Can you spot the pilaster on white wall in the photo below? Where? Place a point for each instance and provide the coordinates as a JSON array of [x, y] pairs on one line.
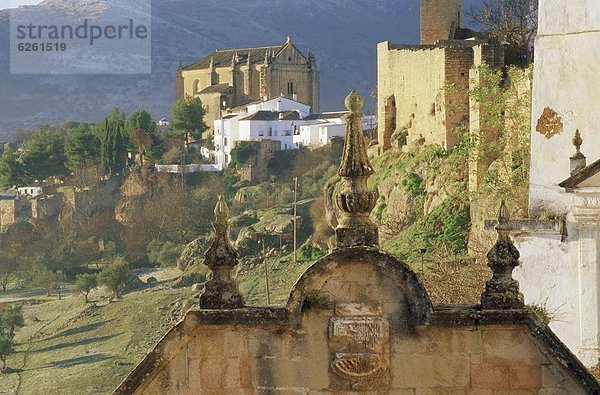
[[587, 219]]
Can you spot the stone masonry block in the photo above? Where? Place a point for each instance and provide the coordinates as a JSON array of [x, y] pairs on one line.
[[429, 370], [489, 376], [526, 377], [509, 346], [207, 344]]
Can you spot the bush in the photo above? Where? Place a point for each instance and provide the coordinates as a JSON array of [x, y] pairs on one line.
[[164, 254], [414, 185], [11, 318], [242, 153], [114, 276], [6, 348], [85, 283]]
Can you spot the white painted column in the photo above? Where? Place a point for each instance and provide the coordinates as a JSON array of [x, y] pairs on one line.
[[589, 284]]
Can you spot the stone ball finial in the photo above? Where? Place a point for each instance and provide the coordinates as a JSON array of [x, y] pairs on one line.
[[354, 103]]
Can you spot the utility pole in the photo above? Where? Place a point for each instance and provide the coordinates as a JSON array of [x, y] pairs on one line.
[[295, 214], [182, 168], [266, 273], [422, 251]]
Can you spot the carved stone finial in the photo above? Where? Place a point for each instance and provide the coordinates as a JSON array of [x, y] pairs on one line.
[[577, 141], [248, 61], [578, 160], [221, 290], [354, 199], [502, 290], [503, 216], [267, 56]]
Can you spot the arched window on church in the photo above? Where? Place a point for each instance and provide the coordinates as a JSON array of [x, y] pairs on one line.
[[291, 88], [196, 86]]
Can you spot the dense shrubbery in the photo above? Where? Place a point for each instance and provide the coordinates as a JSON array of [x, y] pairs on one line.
[[242, 153]]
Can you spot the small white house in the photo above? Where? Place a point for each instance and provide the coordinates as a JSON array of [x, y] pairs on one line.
[[163, 122], [281, 119], [29, 192]]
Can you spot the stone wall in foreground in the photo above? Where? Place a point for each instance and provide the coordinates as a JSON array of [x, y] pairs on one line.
[[355, 327]]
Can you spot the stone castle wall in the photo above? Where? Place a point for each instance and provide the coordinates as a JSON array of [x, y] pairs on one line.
[[458, 61], [415, 78], [430, 86], [13, 210]]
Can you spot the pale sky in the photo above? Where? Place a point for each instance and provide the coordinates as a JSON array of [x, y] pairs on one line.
[[15, 3]]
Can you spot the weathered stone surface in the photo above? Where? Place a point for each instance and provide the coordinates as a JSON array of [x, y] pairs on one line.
[[502, 290], [335, 318], [221, 291], [354, 200]]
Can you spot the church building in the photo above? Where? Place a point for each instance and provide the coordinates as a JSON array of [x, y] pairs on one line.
[[234, 77]]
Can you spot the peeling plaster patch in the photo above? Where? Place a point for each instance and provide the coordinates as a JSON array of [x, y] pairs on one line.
[[549, 123]]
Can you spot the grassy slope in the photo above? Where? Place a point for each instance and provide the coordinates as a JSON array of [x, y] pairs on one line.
[[90, 350], [283, 274], [68, 347]]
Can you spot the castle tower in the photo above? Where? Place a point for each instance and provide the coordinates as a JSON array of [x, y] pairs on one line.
[[440, 19]]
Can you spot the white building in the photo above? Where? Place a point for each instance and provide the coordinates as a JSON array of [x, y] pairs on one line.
[[560, 258], [281, 119], [29, 192]]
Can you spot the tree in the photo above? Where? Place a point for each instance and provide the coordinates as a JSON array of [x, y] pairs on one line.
[[113, 143], [85, 283], [114, 276], [243, 152], [142, 141], [6, 348], [44, 156], [11, 318], [188, 117], [140, 119], [510, 21], [12, 171], [49, 280], [7, 269], [82, 146]]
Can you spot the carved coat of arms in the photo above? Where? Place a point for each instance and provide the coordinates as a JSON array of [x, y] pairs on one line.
[[359, 345]]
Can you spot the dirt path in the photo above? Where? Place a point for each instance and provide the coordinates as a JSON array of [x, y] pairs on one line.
[[28, 294]]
